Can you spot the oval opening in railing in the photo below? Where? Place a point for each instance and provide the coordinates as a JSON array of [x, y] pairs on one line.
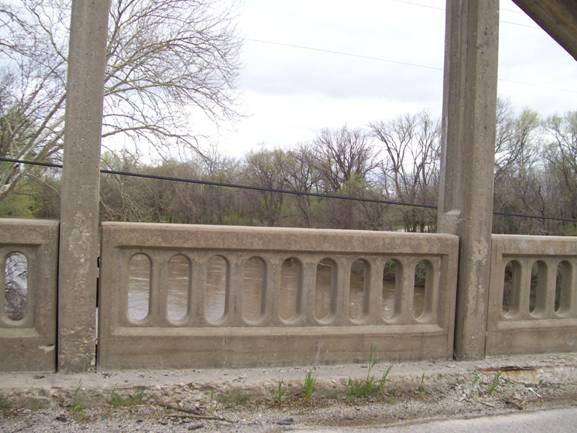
[[511, 288], [326, 290], [217, 286], [538, 290], [563, 288], [359, 290], [254, 286], [291, 290], [16, 286], [139, 277], [422, 289], [391, 294], [178, 288]]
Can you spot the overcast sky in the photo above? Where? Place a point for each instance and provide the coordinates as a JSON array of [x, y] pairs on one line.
[[288, 93]]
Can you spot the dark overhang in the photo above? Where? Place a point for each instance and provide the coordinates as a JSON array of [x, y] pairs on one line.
[[556, 17]]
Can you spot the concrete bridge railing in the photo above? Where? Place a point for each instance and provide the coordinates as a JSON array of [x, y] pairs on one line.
[[205, 296], [28, 278], [176, 296], [533, 295]]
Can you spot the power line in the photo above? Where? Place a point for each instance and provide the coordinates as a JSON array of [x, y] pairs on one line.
[[391, 61], [232, 185], [277, 190], [343, 53]]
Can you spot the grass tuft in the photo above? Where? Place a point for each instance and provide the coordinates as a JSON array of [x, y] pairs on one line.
[[234, 397], [494, 384], [369, 386], [5, 404], [117, 400], [279, 393], [77, 406], [421, 387], [309, 385]]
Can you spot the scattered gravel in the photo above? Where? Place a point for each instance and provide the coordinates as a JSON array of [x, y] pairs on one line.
[[248, 400]]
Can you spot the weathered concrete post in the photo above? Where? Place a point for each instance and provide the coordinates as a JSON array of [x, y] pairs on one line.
[[80, 186], [468, 142]]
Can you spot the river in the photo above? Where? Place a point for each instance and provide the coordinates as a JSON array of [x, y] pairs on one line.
[[254, 286]]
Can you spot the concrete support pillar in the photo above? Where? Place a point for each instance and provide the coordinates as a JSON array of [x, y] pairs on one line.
[[79, 245], [468, 143]]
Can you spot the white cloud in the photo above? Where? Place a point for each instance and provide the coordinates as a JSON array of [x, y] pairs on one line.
[[289, 94]]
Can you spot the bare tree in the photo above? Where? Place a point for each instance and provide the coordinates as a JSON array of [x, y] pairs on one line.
[[514, 144], [301, 176], [410, 171], [345, 160], [267, 169], [166, 58], [342, 156], [519, 176], [561, 155]]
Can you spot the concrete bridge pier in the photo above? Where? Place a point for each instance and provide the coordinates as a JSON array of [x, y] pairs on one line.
[[80, 197], [468, 146]]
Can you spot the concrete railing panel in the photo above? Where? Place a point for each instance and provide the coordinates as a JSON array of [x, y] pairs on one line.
[[533, 295], [29, 262], [175, 296]]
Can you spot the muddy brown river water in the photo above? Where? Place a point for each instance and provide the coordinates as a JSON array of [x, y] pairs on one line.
[[254, 287]]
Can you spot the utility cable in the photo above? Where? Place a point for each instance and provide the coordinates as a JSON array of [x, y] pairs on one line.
[[232, 185], [277, 190], [391, 61]]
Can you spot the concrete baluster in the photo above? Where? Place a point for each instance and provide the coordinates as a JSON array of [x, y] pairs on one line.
[[309, 291], [235, 291], [340, 300], [197, 287], [548, 310], [407, 291], [524, 289], [375, 286], [158, 289], [573, 290], [273, 289]]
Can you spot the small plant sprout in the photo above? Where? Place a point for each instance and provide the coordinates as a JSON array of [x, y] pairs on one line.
[[309, 385], [233, 398], [76, 407], [495, 382], [117, 400], [372, 361], [476, 379], [279, 393], [4, 403], [421, 387], [385, 376], [370, 386]]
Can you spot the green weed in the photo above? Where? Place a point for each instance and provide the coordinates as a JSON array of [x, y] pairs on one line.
[[117, 400], [279, 393], [5, 404], [495, 382], [476, 380], [77, 405], [369, 386], [234, 397], [421, 387], [309, 385], [366, 388]]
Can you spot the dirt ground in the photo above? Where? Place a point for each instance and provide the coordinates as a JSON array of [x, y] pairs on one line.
[[277, 399]]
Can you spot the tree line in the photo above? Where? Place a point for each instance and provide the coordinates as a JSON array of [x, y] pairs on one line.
[[399, 160]]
